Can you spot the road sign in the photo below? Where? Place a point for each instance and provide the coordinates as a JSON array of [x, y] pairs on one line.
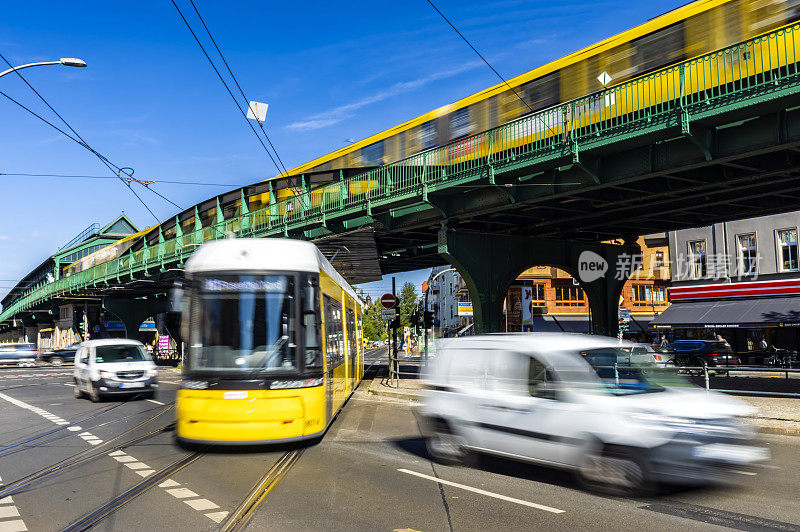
[[388, 314], [388, 301]]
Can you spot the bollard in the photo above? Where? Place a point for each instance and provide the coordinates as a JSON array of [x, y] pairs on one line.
[[705, 372], [616, 374]]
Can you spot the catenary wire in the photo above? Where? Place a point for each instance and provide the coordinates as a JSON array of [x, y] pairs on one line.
[[111, 166], [528, 105], [235, 101], [247, 101], [81, 176]]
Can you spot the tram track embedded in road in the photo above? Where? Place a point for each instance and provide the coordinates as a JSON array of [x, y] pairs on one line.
[[258, 493], [92, 518], [85, 456]]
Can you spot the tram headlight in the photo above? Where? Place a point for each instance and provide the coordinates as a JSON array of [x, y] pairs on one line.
[[302, 383]]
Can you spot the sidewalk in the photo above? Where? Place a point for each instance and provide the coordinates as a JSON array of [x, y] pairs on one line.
[[776, 415]]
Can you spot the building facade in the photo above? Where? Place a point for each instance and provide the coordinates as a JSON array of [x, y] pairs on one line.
[[739, 279]]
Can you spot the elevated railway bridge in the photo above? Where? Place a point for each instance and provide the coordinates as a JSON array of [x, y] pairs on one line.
[[706, 140]]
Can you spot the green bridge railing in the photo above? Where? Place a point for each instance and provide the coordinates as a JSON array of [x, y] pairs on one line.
[[756, 70]]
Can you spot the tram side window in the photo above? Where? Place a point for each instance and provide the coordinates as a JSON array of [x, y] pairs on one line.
[[541, 92], [658, 49], [311, 322], [351, 332], [333, 331]]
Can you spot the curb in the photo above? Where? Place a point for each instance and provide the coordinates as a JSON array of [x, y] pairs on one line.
[[394, 395], [783, 431]]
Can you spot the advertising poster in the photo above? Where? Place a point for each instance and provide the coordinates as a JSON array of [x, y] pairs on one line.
[[527, 309], [514, 309]]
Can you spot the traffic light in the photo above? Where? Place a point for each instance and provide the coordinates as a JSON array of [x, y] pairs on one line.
[[428, 319], [415, 318]]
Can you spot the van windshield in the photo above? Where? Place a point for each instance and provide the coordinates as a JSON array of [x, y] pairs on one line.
[[623, 376], [119, 353]]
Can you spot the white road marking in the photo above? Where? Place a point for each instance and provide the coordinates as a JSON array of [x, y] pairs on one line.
[[74, 428], [82, 434], [98, 441], [748, 473], [217, 517], [182, 493], [18, 525], [117, 453], [169, 483], [6, 500], [484, 492], [145, 472], [201, 504], [137, 465], [125, 458], [11, 511], [154, 401], [69, 384]]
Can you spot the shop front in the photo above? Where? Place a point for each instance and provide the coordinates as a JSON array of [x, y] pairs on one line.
[[744, 314]]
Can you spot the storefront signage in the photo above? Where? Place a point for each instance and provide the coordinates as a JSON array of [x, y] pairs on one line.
[[721, 326], [465, 308]]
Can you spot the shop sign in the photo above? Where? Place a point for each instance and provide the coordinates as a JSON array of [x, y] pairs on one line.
[[721, 326]]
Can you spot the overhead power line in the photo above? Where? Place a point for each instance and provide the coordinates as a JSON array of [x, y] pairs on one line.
[[528, 105], [115, 169], [246, 100], [235, 101], [81, 176]]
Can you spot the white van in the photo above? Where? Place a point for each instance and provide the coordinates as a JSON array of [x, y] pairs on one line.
[[113, 367], [566, 400]]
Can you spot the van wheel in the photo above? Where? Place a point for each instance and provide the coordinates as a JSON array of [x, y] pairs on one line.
[[447, 447], [614, 471], [94, 395]]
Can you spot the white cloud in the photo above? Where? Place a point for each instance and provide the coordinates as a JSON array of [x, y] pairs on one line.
[[5, 237], [343, 112]]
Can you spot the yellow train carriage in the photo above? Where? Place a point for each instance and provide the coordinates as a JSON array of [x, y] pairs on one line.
[[684, 33], [274, 343]]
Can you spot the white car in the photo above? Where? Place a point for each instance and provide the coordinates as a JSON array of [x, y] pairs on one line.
[[113, 367], [538, 398]]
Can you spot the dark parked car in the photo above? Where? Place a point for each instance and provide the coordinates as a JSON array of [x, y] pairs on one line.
[[19, 354], [709, 353], [60, 356]]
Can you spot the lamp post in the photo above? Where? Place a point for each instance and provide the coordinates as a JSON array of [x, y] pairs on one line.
[[66, 61]]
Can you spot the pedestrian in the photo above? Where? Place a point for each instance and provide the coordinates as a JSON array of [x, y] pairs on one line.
[[723, 340], [663, 342], [763, 345]]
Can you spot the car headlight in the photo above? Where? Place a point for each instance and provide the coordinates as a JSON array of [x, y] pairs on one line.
[[151, 372], [107, 374]]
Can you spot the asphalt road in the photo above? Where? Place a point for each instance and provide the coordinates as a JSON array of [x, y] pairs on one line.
[[370, 472]]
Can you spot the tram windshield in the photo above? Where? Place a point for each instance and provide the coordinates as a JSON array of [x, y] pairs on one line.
[[243, 322]]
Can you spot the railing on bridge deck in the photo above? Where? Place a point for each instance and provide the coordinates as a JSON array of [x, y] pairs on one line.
[[758, 69]]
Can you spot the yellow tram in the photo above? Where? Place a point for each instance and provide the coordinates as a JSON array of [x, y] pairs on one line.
[[274, 342]]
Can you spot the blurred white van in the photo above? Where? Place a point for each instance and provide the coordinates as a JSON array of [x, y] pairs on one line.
[[578, 402]]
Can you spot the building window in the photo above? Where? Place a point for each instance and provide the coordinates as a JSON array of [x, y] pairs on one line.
[[787, 250], [697, 259], [659, 263], [538, 295], [645, 295], [569, 296], [748, 264], [64, 313]]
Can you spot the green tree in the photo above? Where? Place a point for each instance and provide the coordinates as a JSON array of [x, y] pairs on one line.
[[408, 302], [374, 326]]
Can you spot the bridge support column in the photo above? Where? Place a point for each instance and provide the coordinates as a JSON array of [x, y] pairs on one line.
[[489, 264], [132, 312]]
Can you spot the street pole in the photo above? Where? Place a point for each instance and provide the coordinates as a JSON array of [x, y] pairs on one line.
[[393, 356], [425, 325]]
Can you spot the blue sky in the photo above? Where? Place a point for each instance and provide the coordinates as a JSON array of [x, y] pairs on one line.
[[331, 72]]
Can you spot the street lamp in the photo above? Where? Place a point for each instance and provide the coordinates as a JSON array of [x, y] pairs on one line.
[[427, 289], [66, 61]]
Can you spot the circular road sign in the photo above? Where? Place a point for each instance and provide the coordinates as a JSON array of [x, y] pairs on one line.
[[388, 301]]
